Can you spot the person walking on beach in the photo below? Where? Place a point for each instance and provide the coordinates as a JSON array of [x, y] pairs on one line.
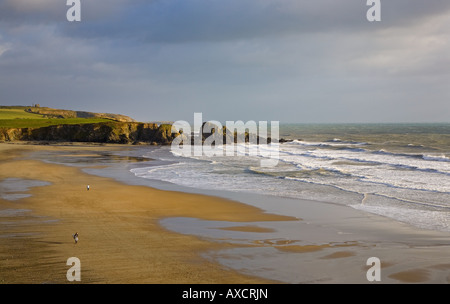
[[87, 187], [75, 237]]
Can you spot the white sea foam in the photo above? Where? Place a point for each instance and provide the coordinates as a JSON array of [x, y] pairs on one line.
[[441, 158], [427, 219], [318, 170]]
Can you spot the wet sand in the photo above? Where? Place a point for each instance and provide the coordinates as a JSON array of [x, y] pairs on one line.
[[248, 229]]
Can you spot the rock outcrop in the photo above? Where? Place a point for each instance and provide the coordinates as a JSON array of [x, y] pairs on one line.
[[228, 136]]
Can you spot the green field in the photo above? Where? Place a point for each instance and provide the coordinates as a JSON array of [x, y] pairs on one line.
[[38, 123], [16, 117], [17, 113]]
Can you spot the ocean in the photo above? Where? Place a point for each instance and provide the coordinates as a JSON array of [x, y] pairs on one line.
[[399, 171]]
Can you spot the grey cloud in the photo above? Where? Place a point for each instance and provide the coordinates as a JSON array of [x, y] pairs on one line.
[[263, 59], [204, 20], [181, 21]]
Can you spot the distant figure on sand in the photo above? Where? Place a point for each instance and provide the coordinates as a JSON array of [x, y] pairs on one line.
[[87, 187], [75, 237]]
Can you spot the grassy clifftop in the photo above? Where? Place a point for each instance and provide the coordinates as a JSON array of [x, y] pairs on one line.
[[9, 113], [40, 123], [57, 113], [20, 116]]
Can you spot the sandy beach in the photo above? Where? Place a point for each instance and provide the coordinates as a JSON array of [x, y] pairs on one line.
[[119, 239], [122, 238]]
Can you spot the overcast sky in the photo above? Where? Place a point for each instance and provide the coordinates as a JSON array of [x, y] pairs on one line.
[[286, 60]]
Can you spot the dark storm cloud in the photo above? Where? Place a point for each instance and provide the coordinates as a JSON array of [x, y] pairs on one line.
[[181, 21]]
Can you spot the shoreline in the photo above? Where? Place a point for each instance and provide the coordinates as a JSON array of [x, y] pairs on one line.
[[328, 238]]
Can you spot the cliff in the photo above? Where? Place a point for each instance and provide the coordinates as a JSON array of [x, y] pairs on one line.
[[105, 132]]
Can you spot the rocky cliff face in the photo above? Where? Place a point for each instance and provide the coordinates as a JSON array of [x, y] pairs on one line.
[[115, 132], [109, 132]]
